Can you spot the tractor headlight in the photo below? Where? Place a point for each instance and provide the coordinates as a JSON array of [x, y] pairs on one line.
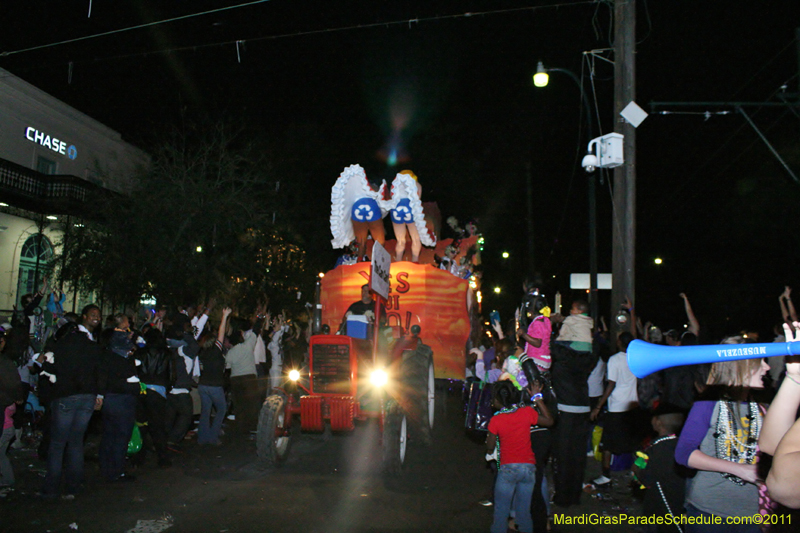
[[294, 375], [379, 378]]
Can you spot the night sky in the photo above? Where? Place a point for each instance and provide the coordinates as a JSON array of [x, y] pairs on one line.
[[713, 202]]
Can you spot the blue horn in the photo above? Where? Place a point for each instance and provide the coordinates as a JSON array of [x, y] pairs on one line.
[[645, 358]]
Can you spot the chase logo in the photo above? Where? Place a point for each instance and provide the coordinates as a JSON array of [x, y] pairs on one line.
[[72, 152]]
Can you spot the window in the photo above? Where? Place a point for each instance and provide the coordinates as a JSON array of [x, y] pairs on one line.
[[32, 271], [45, 166]]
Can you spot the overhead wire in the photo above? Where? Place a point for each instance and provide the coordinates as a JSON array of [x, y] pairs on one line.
[[287, 35], [728, 138], [130, 28], [740, 153]]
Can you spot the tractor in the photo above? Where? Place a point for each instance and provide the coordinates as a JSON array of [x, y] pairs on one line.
[[349, 381]]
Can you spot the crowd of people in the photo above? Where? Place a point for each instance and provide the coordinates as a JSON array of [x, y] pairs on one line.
[[142, 380], [698, 439]]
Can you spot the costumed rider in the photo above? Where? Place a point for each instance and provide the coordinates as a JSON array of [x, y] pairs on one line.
[[366, 307], [406, 214], [535, 360], [355, 211]]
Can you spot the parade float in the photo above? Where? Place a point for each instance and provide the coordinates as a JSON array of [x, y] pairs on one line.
[[424, 309]]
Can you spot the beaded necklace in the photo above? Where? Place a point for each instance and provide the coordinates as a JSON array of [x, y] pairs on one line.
[[671, 436], [728, 446]]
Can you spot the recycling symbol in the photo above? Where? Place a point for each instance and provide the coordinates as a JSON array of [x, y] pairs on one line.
[[403, 214], [363, 212]]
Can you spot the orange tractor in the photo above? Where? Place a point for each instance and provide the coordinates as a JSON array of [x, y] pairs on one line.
[[389, 378]]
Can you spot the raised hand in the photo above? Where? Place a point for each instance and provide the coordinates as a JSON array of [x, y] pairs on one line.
[[792, 361]]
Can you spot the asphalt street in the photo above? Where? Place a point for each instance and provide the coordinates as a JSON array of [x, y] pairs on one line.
[[330, 483]]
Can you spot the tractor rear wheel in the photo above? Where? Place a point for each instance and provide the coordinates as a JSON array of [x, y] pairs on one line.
[[394, 439], [273, 440]]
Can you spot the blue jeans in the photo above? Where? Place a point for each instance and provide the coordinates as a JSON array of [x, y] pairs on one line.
[[691, 510], [514, 486], [68, 422], [119, 416], [208, 432]]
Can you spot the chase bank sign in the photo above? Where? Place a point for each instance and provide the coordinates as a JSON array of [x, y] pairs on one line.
[[56, 145]]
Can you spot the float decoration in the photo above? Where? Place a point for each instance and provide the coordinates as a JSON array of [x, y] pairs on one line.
[[406, 206], [355, 210]]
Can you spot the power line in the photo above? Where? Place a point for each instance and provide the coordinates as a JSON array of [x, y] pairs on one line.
[[339, 29], [122, 30]]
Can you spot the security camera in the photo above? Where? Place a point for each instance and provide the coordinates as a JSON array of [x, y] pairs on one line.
[[589, 162], [604, 152]]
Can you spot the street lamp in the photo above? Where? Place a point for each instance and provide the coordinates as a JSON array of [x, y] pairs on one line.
[[541, 79]]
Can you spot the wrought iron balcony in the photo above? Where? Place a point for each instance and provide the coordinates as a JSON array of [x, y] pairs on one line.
[[47, 194]]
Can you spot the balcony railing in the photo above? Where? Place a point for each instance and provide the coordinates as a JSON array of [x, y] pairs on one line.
[[42, 193]]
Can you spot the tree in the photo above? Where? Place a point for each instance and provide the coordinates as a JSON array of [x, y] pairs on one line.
[[197, 222]]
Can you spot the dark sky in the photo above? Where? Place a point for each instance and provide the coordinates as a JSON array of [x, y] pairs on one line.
[[712, 201]]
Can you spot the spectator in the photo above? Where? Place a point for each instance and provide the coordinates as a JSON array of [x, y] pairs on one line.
[[275, 347], [119, 385], [244, 380], [664, 480], [72, 369], [681, 384], [576, 329], [570, 372], [537, 338], [212, 378], [510, 428], [185, 366], [780, 434], [619, 430], [155, 371], [720, 440], [10, 397]]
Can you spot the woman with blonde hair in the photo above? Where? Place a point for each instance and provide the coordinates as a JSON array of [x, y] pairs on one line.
[[720, 441]]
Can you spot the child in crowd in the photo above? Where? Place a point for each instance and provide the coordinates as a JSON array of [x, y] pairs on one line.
[[620, 429], [516, 476], [657, 471], [576, 329]]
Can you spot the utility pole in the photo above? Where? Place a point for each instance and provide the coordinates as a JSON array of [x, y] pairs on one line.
[[624, 213]]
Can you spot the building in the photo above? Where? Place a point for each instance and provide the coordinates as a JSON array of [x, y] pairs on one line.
[[52, 157]]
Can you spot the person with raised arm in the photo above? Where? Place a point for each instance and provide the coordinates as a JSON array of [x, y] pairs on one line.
[[780, 434], [212, 380], [694, 325], [720, 441], [788, 312]]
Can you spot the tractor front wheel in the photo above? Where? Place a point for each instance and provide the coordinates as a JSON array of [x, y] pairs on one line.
[[273, 439], [395, 438]]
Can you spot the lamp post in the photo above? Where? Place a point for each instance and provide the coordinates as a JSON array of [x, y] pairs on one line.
[[541, 79]]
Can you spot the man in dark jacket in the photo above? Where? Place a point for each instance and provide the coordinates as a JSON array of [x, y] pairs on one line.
[[180, 407], [156, 372], [570, 371], [72, 370]]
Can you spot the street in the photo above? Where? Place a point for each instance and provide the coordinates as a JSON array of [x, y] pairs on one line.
[[330, 483]]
